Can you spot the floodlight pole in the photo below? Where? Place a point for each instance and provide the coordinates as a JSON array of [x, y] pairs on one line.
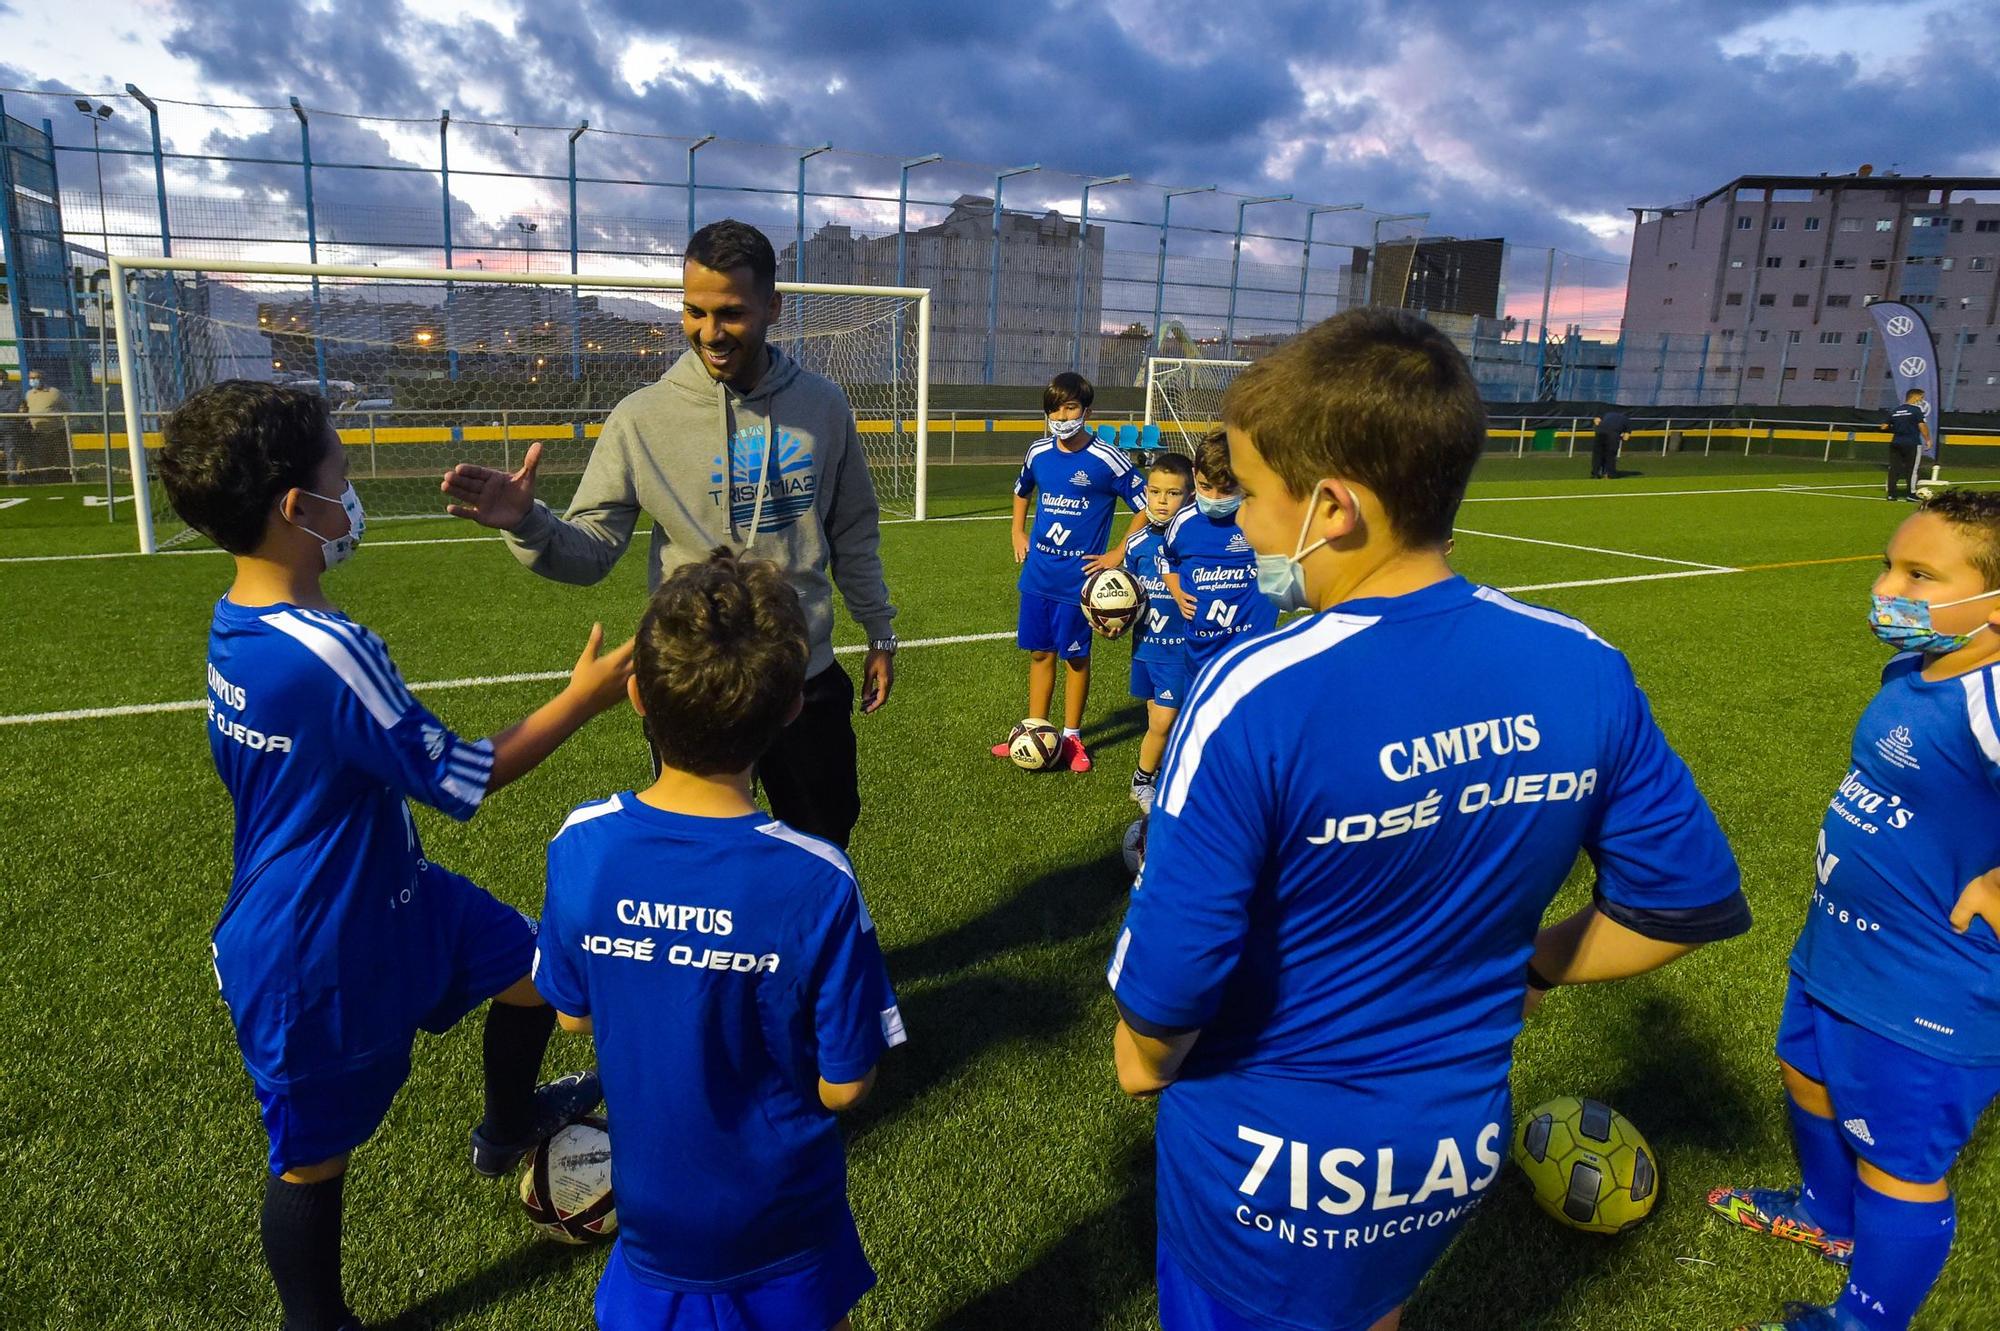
[[1160, 274], [993, 282], [698, 144], [903, 214], [1306, 258], [575, 306], [444, 179], [166, 235], [312, 243], [1083, 261], [97, 115], [1236, 267], [799, 245]]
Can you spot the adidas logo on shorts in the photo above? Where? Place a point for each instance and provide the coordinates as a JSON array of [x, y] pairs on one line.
[[1859, 1127], [1077, 647]]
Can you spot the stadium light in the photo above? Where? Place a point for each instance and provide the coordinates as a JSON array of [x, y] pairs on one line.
[[799, 244], [1160, 276], [1236, 266], [97, 115], [1083, 254], [701, 142], [1306, 256], [903, 215], [993, 282]]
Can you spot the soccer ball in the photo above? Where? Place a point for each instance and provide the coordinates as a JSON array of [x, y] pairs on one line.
[[1033, 744], [1135, 844], [1588, 1166], [566, 1188], [1112, 600], [1926, 492]]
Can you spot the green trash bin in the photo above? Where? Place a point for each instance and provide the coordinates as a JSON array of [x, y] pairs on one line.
[[1545, 439]]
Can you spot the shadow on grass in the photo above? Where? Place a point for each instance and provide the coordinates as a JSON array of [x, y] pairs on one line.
[[1128, 722], [1087, 1275], [528, 1264], [1513, 1266], [1055, 908]]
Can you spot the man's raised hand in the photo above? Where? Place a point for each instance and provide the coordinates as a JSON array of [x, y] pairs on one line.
[[492, 498]]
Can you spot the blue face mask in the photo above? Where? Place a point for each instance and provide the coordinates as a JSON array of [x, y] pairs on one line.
[[1903, 622], [1281, 577], [1218, 508]]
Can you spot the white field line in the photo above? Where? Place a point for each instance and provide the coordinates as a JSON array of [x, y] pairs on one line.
[[435, 685], [1599, 582], [1595, 549], [211, 550], [1660, 494]]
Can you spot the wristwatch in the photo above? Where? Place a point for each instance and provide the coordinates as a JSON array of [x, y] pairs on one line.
[[888, 644]]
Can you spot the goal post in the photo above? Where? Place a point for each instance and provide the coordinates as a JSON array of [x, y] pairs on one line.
[[1184, 396], [426, 367]]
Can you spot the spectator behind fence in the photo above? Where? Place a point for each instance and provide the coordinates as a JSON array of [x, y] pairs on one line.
[[13, 427]]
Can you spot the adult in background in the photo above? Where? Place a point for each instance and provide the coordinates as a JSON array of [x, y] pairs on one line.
[[1609, 431], [13, 427], [691, 450], [1909, 433]]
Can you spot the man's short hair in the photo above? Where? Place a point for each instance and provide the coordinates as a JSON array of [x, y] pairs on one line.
[[1176, 464], [1376, 396], [1976, 515], [1069, 386], [1211, 460], [235, 446], [730, 244], [1909, 393], [720, 659]]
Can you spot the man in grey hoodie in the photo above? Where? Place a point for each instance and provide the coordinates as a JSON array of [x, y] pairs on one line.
[[692, 451]]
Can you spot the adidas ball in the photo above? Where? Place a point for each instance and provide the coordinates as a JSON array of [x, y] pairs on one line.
[[1588, 1166], [1112, 600], [1135, 844], [1926, 492], [1033, 745], [566, 1188]]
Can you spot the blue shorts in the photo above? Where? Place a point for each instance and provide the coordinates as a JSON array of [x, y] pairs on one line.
[[485, 946], [1186, 1304], [1163, 682], [808, 1298], [1903, 1111], [1048, 625]]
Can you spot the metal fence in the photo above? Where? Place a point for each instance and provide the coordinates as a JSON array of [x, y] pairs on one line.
[[1066, 271]]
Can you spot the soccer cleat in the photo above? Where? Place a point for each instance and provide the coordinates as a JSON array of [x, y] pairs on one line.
[[1073, 755], [557, 1104], [1801, 1317], [1781, 1215], [1142, 789]]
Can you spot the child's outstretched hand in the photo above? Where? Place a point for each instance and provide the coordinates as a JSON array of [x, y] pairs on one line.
[[599, 681], [1981, 900]]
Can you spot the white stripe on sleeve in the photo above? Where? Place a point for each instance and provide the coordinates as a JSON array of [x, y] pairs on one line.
[[1980, 712], [338, 657]]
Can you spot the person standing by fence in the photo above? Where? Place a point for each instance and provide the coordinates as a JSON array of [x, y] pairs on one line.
[[1909, 434]]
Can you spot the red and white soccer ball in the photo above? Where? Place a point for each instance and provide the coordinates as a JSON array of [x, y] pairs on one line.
[[1033, 744], [566, 1188], [1112, 600]]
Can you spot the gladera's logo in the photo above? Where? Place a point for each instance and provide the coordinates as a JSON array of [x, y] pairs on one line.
[[785, 476]]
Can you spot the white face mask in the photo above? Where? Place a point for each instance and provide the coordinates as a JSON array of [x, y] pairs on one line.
[[1281, 577], [1065, 429], [340, 549]]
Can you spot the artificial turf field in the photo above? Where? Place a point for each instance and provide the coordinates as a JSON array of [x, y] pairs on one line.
[[999, 1178]]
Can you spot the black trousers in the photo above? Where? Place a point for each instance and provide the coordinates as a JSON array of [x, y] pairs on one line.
[[1603, 454], [1902, 466], [810, 775]]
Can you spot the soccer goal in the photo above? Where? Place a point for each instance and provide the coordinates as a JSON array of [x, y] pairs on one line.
[[427, 367], [1184, 396]]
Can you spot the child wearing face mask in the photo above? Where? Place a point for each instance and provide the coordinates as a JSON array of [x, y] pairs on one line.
[[1213, 574], [339, 940], [1889, 1042]]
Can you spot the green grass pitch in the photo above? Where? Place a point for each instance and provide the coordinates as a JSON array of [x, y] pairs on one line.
[[999, 1178]]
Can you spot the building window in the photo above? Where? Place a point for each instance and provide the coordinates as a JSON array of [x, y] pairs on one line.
[[1826, 376], [1843, 263], [1861, 338], [1979, 264], [1812, 224], [1830, 339], [1801, 299], [1736, 263], [1792, 337], [1885, 224], [1839, 302], [1745, 223], [1773, 261], [1878, 265], [1666, 300], [1957, 225], [1791, 373], [1945, 264], [1987, 224], [1777, 224], [1970, 338], [1763, 335], [1992, 379], [1754, 372], [1850, 224], [1673, 265], [1729, 335], [1805, 263], [1768, 298], [1733, 298], [1916, 298]]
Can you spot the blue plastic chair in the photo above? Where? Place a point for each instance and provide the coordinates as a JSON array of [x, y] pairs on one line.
[[1149, 436], [1128, 436]]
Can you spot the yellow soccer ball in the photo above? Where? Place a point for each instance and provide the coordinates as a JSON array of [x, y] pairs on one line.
[[1587, 1165]]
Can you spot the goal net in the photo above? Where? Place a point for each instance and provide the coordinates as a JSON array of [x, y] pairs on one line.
[[425, 368], [1184, 396]]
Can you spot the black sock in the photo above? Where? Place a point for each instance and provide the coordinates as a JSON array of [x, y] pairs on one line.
[[516, 1038], [301, 1228]]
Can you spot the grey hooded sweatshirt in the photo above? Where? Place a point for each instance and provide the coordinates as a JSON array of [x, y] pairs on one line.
[[808, 505]]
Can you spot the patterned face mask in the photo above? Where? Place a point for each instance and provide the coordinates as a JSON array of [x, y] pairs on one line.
[[341, 548], [1903, 622], [1065, 429]]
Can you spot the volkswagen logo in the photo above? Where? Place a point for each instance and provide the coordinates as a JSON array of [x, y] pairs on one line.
[[1910, 366], [1900, 326]]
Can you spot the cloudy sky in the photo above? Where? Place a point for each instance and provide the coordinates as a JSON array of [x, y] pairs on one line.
[[1541, 122]]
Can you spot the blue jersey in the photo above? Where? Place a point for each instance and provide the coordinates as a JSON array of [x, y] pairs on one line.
[[1361, 820], [1075, 494], [1906, 422], [1218, 569], [328, 950], [726, 965], [1916, 818], [1161, 633]]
